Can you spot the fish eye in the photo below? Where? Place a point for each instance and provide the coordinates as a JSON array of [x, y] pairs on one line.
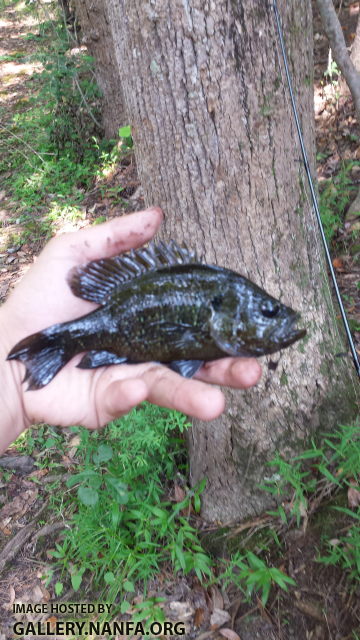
[[216, 303], [270, 313]]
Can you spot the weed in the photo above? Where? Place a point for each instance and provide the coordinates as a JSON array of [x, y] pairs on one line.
[[250, 573], [55, 145], [334, 199], [337, 461], [123, 525], [346, 550], [125, 134]]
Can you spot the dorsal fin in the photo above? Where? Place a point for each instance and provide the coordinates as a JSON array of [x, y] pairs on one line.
[[95, 280]]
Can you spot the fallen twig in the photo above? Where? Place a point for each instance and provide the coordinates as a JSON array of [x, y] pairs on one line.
[[14, 545], [49, 528]]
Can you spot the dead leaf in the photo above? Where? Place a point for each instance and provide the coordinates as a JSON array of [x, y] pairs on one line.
[[40, 473], [7, 531], [220, 617], [66, 460], [37, 594], [46, 593], [179, 493], [334, 542], [74, 442], [309, 609], [52, 621], [199, 598], [182, 609], [229, 633], [12, 599], [353, 494], [337, 263], [200, 617], [216, 597]]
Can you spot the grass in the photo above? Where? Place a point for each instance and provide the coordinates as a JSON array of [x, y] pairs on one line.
[[334, 197], [52, 150]]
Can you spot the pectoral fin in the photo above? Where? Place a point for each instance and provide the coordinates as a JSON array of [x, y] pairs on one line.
[[95, 359], [186, 368]]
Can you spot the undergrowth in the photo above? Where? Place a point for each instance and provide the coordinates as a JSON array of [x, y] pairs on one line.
[[124, 524], [51, 146], [337, 462], [335, 195]]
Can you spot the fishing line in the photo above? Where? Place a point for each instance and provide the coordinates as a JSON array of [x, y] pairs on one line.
[[313, 196]]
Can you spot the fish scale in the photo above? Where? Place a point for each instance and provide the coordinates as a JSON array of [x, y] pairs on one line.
[[160, 304]]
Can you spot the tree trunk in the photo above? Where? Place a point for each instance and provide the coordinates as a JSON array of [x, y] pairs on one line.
[[216, 149], [96, 35], [355, 48], [348, 65]]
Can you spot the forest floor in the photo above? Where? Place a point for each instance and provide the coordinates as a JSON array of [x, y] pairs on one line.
[[322, 606]]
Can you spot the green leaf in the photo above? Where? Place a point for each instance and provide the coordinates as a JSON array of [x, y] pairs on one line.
[[117, 489], [95, 482], [125, 606], [282, 514], [180, 557], [80, 477], [201, 486], [255, 562], [129, 586], [265, 593], [109, 577], [125, 132], [58, 588], [76, 578], [197, 503], [104, 454], [50, 443], [88, 496], [115, 513]]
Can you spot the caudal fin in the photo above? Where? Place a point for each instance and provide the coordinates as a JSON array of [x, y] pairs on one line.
[[43, 354]]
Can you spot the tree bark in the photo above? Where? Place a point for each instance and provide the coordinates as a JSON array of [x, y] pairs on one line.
[[96, 35], [216, 149], [355, 48]]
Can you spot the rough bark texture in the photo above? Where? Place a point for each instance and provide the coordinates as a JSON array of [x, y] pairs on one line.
[[96, 35], [216, 149], [355, 48]]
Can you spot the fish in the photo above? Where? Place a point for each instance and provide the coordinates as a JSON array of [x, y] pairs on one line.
[[161, 304]]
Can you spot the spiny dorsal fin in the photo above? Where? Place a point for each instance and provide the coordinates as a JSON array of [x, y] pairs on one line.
[[95, 280]]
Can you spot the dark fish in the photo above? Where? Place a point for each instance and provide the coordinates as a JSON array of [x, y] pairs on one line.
[[159, 304]]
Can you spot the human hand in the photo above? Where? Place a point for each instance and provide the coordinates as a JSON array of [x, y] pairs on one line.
[[94, 397]]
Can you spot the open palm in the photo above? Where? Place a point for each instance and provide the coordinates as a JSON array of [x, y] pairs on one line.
[[94, 397]]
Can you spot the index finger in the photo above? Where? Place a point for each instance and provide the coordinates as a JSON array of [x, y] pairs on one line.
[[109, 239]]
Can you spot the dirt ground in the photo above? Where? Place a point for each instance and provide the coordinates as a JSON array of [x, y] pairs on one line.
[[322, 606]]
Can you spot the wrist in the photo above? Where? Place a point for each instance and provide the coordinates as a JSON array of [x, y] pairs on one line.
[[13, 419]]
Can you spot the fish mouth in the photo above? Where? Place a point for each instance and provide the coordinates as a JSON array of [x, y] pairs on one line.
[[291, 333], [287, 333]]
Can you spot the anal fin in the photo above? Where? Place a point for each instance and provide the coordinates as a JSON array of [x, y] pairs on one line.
[[186, 368], [94, 359]]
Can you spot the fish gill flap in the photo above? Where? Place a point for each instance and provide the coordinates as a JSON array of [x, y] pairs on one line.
[[94, 281], [223, 332]]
